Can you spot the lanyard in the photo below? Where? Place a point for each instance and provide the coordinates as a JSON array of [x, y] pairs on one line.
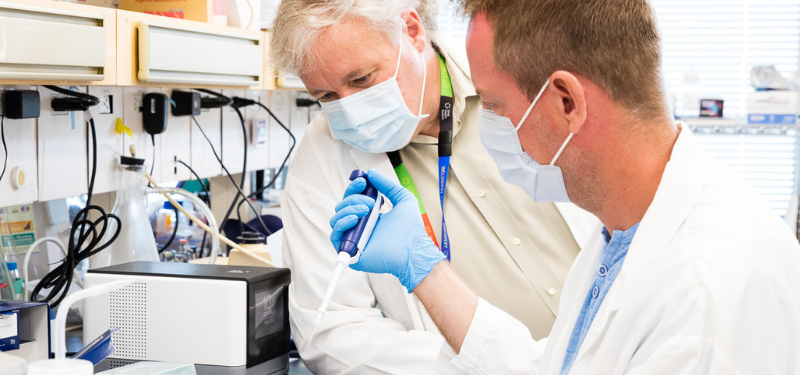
[[445, 151]]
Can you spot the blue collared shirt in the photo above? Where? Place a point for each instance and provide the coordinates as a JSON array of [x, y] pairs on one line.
[[608, 266]]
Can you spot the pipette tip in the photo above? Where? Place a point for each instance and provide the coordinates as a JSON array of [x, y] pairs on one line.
[[314, 328], [308, 343]]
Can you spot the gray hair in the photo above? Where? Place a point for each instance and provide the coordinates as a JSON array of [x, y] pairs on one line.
[[299, 23]]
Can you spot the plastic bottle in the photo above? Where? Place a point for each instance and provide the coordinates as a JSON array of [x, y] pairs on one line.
[[687, 102], [136, 241], [165, 222], [18, 282]]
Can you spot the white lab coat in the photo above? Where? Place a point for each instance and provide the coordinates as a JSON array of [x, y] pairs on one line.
[[710, 285], [373, 326]]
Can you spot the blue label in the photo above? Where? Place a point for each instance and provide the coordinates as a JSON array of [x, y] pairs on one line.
[[773, 119], [9, 331]]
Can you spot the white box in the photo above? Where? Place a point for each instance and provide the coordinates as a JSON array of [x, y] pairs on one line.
[[193, 313], [773, 107]]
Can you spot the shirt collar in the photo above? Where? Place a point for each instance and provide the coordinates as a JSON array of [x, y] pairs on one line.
[[625, 237]]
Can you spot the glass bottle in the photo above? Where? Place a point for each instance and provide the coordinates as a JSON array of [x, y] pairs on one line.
[[135, 241]]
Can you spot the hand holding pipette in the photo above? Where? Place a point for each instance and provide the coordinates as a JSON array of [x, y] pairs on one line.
[[351, 242]]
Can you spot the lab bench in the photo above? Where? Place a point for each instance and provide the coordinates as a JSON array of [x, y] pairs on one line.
[[74, 341]]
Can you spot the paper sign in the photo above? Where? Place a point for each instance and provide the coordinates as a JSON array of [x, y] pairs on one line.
[[17, 229]]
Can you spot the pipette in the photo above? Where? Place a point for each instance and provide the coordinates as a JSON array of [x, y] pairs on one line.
[[353, 241]]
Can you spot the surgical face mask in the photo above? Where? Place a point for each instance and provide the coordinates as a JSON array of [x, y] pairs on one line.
[[543, 183], [375, 120]]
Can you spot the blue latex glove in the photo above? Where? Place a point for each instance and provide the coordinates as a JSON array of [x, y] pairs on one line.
[[399, 244]]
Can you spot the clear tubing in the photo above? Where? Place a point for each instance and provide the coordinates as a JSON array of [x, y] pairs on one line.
[[342, 260], [214, 231], [212, 222]]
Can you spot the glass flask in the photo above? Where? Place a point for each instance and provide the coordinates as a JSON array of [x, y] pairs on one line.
[[135, 241]]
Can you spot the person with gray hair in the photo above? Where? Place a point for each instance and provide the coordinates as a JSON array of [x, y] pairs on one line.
[[692, 272], [398, 99]]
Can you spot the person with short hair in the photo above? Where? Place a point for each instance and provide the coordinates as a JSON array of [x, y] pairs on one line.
[[391, 91], [692, 272]]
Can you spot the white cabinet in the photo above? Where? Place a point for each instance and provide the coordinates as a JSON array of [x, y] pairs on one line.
[[161, 51], [72, 43]]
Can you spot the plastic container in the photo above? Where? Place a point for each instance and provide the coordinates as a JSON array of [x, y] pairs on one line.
[[165, 222], [16, 278], [13, 269], [136, 241], [687, 102]]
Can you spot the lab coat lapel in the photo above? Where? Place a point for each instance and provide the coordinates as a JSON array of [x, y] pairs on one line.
[[680, 188]]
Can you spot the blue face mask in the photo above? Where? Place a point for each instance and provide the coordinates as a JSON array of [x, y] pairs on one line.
[[543, 183], [375, 120]]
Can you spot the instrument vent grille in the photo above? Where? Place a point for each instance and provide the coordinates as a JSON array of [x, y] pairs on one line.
[[128, 312]]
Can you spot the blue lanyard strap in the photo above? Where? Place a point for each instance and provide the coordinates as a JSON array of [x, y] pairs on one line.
[[444, 170], [445, 142]]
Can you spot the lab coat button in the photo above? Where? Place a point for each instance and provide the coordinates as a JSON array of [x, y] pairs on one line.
[[517, 241], [481, 194], [551, 291], [603, 270], [595, 292]]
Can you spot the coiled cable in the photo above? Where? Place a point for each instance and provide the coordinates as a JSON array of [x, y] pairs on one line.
[[85, 236]]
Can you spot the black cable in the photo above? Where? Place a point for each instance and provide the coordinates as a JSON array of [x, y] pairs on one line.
[[174, 231], [202, 185], [5, 149], [75, 101], [84, 238], [153, 162], [240, 101], [219, 102], [203, 244], [244, 171], [230, 177]]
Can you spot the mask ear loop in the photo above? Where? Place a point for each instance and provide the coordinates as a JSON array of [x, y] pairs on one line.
[[424, 80], [560, 150], [424, 72], [539, 95], [399, 55]]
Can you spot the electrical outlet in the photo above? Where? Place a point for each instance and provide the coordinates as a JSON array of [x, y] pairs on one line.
[[256, 98], [106, 106], [62, 113], [137, 102]]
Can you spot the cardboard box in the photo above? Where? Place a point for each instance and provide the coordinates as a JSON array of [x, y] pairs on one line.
[[773, 107], [209, 11], [33, 329]]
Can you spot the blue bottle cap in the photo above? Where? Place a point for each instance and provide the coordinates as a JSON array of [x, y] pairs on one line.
[[12, 266]]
